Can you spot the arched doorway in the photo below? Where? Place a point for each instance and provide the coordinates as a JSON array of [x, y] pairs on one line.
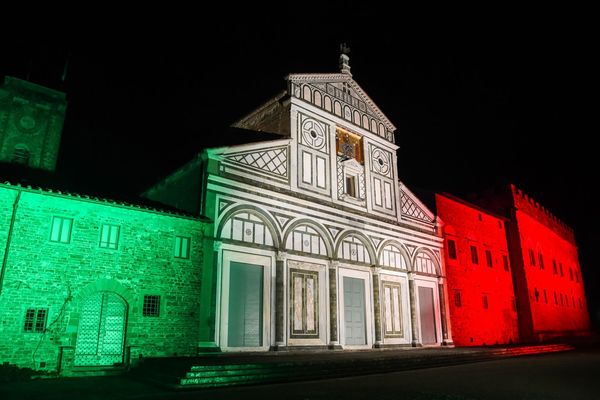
[[101, 332]]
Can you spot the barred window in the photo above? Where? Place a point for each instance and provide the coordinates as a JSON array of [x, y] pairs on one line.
[[109, 236], [35, 320], [531, 258], [151, 306], [457, 299], [541, 260]]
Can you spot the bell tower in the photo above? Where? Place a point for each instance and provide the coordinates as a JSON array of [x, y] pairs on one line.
[[31, 121]]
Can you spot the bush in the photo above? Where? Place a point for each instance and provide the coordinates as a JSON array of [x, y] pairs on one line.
[[12, 373]]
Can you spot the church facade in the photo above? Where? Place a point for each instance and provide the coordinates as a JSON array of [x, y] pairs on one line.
[[317, 244]]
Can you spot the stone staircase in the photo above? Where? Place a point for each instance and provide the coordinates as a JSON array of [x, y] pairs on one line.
[[242, 369]]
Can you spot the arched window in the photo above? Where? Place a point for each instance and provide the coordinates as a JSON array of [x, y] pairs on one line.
[[307, 240], [391, 256], [424, 263], [247, 227], [353, 249]]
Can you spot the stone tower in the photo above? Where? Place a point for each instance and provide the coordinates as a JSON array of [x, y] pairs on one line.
[[31, 121]]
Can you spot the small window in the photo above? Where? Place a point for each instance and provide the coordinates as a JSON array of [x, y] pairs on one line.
[[505, 262], [555, 299], [562, 303], [531, 258], [484, 299], [576, 276], [488, 258], [561, 269], [457, 299], [452, 249], [536, 294], [541, 260], [350, 188], [182, 247], [61, 229], [554, 269], [109, 236], [35, 320], [570, 273], [151, 306], [545, 297], [474, 257]]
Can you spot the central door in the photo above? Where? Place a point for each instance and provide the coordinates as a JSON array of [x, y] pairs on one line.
[[245, 311], [427, 315], [354, 311]]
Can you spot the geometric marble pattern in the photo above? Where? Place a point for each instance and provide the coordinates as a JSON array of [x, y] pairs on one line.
[[272, 160], [410, 208]]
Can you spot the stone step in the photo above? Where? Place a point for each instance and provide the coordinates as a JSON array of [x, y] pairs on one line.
[[206, 376]]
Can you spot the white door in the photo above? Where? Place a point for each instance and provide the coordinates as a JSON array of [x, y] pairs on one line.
[[354, 311]]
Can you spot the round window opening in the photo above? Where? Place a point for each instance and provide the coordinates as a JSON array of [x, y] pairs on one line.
[[380, 160], [313, 134]]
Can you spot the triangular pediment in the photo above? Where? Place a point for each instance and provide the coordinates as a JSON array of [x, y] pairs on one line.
[[412, 207], [355, 105]]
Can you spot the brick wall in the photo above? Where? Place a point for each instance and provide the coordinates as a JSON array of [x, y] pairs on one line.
[[40, 273]]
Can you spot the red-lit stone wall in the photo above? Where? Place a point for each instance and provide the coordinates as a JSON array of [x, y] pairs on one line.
[[554, 293], [471, 285]]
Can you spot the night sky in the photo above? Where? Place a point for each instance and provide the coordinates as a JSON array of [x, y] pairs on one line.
[[475, 105]]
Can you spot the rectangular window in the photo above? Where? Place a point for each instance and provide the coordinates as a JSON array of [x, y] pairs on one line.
[[61, 229], [474, 257], [182, 247], [576, 276], [488, 258], [457, 299], [541, 260], [151, 306], [570, 273], [484, 298], [555, 299], [545, 297], [554, 269], [109, 236], [505, 262], [350, 188], [35, 320], [561, 269], [307, 168], [531, 258], [451, 249]]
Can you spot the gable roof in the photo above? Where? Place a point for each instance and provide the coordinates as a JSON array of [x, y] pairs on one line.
[[338, 77]]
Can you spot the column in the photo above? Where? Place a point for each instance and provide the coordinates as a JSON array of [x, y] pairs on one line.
[[377, 311], [207, 340], [446, 337], [334, 342], [280, 300], [414, 323]]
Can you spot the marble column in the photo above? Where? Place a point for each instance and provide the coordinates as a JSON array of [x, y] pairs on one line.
[[334, 341], [280, 299], [414, 323]]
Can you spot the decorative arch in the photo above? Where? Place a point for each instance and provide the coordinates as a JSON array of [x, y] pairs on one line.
[[425, 261], [373, 126], [327, 104], [365, 122], [319, 240], [393, 254], [317, 96], [337, 108], [105, 285], [248, 224], [306, 93], [356, 117], [381, 130], [355, 246]]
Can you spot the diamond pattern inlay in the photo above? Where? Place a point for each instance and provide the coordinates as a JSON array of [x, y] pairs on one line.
[[271, 160], [411, 209]]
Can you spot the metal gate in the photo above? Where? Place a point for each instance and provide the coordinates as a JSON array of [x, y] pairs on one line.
[[101, 332]]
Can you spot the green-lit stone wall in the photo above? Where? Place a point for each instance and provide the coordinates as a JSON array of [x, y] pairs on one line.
[[31, 121], [39, 273]]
